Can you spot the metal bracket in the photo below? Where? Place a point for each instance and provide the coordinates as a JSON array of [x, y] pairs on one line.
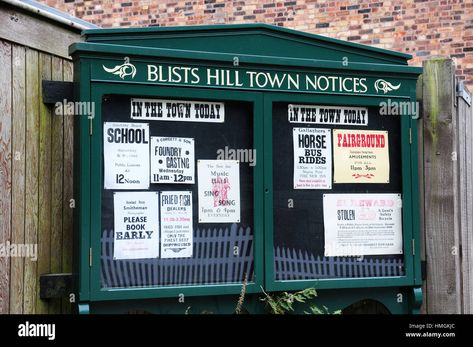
[[57, 91], [54, 286], [423, 270], [463, 93]]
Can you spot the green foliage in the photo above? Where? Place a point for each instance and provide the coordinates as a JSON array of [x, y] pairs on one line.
[[283, 303], [239, 307], [313, 309]]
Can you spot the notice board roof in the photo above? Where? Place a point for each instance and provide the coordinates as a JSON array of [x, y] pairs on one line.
[[248, 39]]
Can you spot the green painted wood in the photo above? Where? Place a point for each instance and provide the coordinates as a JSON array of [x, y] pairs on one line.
[[268, 50], [258, 39]]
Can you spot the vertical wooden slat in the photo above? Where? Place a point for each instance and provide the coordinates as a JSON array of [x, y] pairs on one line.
[[57, 147], [465, 141], [44, 181], [5, 170], [468, 232], [18, 171], [67, 227], [32, 165], [439, 172]]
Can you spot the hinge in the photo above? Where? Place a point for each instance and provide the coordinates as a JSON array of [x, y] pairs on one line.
[[413, 247], [410, 136], [423, 269], [90, 126], [90, 256]]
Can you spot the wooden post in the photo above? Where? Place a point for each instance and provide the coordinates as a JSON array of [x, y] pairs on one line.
[[441, 222]]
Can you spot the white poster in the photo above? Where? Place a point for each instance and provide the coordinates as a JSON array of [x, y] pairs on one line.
[[126, 155], [317, 114], [172, 160], [312, 158], [178, 110], [136, 225], [176, 224], [219, 191], [362, 224]]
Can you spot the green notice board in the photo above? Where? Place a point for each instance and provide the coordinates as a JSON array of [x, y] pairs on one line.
[[246, 163]]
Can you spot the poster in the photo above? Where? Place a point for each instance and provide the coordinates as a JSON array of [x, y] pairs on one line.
[[316, 114], [219, 191], [172, 160], [360, 156], [176, 224], [126, 155], [312, 158], [177, 110], [362, 224], [136, 229]]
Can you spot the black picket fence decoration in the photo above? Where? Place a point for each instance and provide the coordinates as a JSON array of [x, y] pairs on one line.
[[297, 265], [226, 255], [219, 256]]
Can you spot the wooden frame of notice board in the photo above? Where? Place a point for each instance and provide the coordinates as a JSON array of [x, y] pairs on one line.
[[409, 198]]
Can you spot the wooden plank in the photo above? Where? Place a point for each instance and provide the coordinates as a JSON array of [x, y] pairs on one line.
[[36, 33], [44, 182], [67, 227], [18, 171], [464, 113], [5, 170], [468, 239], [57, 151], [438, 109], [32, 165]]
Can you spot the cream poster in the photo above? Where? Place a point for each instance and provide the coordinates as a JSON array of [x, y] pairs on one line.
[[360, 156]]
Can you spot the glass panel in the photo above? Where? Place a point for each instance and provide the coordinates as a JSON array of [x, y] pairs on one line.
[[299, 241], [221, 252]]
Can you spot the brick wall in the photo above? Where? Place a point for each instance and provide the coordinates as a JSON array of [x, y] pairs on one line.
[[423, 28]]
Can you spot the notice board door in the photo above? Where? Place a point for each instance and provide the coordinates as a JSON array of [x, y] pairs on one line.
[[338, 193], [216, 254]]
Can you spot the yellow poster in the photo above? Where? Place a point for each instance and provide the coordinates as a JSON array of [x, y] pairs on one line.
[[360, 156]]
